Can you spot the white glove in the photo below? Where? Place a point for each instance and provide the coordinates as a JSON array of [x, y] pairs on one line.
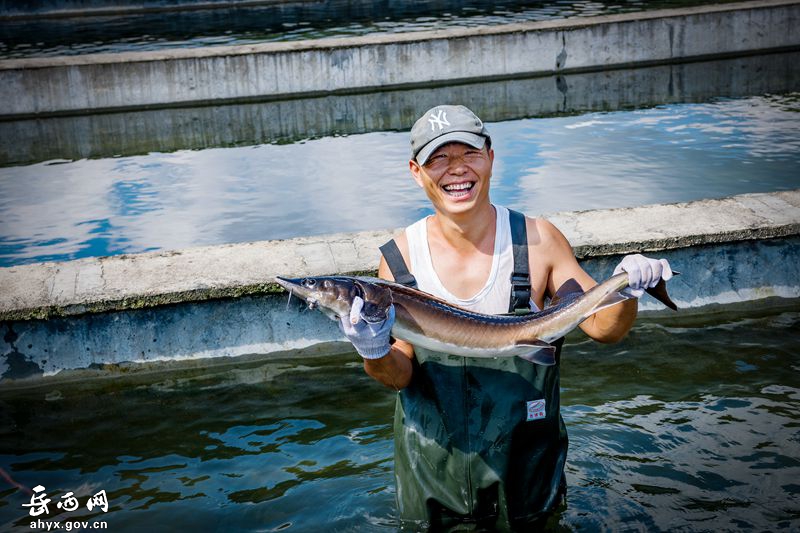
[[370, 339], [643, 273]]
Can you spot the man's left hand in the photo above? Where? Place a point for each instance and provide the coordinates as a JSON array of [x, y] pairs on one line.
[[643, 272]]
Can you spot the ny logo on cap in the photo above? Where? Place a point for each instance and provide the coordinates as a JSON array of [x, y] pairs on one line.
[[439, 120]]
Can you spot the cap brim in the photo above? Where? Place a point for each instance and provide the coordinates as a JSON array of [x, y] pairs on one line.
[[465, 137]]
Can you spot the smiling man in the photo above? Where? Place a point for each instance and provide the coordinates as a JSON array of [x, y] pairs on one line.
[[479, 443]]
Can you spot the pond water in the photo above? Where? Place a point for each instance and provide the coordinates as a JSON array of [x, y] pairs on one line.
[[63, 209], [284, 21], [685, 425]]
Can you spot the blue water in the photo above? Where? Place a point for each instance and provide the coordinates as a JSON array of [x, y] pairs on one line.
[[61, 210], [684, 426]]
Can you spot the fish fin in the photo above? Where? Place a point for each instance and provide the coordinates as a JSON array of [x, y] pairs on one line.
[[569, 290], [540, 353], [659, 292], [612, 299]]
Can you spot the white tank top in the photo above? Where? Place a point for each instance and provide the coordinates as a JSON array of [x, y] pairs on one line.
[[495, 295]]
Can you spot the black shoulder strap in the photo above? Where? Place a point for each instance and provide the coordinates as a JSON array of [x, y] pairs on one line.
[[397, 264], [520, 277]]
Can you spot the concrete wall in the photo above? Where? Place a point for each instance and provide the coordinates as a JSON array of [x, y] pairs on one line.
[[328, 66], [166, 130], [711, 274], [220, 301]]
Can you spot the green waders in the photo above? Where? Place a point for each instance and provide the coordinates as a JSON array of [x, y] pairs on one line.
[[465, 450], [479, 443]]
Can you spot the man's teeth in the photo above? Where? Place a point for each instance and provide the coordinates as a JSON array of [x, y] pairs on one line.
[[458, 186]]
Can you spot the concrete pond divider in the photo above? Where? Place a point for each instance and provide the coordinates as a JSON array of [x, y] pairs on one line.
[[278, 121], [221, 301], [227, 74]]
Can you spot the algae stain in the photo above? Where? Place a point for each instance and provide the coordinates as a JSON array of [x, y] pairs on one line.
[[17, 365]]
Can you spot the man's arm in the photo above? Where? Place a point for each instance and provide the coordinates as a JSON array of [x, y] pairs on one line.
[[610, 324], [395, 369]]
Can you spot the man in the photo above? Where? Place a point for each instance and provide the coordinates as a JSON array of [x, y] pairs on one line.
[[479, 442]]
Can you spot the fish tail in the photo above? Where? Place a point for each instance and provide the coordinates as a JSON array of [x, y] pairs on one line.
[[659, 292]]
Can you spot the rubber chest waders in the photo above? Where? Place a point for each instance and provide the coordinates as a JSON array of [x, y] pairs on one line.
[[479, 441]]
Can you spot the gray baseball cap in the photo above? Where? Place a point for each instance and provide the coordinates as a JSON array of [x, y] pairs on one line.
[[446, 124]]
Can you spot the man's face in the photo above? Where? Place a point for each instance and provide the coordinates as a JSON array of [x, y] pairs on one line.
[[456, 176]]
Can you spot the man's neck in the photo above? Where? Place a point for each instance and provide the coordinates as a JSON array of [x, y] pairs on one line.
[[467, 231]]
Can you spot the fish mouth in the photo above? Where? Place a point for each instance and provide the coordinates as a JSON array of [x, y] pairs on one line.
[[294, 286]]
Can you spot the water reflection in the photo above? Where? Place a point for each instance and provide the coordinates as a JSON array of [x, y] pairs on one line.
[[138, 132], [227, 449], [686, 437], [659, 155], [64, 210], [285, 21], [666, 433]]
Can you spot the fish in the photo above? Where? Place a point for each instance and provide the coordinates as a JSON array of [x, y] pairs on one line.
[[428, 321]]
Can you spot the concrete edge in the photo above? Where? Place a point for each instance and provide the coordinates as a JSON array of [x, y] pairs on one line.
[[717, 279], [122, 133], [386, 87], [153, 279], [656, 245], [333, 43]]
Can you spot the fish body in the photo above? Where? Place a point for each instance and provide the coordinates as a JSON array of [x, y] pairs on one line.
[[430, 322]]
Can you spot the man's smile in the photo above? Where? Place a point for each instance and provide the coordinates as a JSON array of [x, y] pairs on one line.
[[459, 189]]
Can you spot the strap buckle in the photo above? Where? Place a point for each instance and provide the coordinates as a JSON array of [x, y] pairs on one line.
[[520, 293]]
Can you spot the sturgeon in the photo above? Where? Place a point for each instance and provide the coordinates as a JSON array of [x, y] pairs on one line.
[[430, 322]]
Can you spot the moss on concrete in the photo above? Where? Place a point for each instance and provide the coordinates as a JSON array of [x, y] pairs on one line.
[[154, 300]]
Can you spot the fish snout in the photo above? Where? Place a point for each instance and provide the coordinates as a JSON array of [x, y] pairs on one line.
[[302, 287], [288, 283]]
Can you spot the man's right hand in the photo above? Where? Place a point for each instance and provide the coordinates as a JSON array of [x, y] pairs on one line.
[[370, 339]]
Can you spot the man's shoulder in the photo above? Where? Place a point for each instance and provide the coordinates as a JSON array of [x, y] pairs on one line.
[[541, 232], [401, 240]]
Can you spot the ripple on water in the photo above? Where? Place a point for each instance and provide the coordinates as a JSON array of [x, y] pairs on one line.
[[663, 436]]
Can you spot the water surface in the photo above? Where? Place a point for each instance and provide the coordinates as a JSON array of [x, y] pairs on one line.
[[63, 209], [286, 22], [685, 425]]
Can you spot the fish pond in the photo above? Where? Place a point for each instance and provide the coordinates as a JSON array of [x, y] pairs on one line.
[[688, 424], [228, 24], [67, 209]]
